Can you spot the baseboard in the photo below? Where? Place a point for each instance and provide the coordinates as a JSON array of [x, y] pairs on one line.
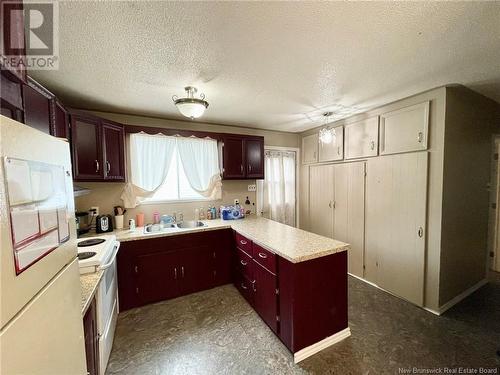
[[452, 302], [320, 345]]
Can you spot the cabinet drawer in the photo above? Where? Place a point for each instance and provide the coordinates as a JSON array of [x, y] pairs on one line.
[[245, 287], [245, 264], [265, 258], [243, 243]]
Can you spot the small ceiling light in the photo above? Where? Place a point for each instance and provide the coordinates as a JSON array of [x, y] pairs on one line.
[[190, 106], [327, 134]]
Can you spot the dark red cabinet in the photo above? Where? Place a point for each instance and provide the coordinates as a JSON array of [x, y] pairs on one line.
[[38, 106], [243, 157], [86, 149], [11, 97], [91, 339], [157, 269], [113, 151], [254, 149], [97, 148], [265, 299]]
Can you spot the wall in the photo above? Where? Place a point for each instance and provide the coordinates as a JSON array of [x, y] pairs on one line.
[[435, 186], [471, 119], [106, 195]]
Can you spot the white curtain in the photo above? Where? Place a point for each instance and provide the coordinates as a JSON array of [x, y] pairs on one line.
[[200, 160], [150, 157], [276, 193]]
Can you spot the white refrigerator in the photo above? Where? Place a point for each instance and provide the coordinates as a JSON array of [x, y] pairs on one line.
[[41, 329]]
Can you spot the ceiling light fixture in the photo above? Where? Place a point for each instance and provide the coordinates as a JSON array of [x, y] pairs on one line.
[[190, 106], [327, 134]]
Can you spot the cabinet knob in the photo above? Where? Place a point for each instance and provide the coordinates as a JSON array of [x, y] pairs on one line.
[[96, 166], [420, 232], [243, 242], [243, 262], [253, 286], [249, 168], [175, 273], [372, 145], [338, 150], [241, 168], [108, 166], [182, 271], [244, 286], [263, 255]]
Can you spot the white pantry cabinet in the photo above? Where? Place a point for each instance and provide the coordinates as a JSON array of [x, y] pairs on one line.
[[396, 196], [310, 149], [334, 150], [349, 212], [361, 139], [321, 197], [404, 130]]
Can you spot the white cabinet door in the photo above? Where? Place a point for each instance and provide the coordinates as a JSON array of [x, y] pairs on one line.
[[321, 187], [405, 129], [349, 212], [396, 196], [335, 149], [310, 149], [361, 139]]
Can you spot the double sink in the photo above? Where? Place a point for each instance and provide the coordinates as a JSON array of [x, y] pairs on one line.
[[158, 228]]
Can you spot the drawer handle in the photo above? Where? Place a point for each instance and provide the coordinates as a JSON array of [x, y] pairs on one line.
[[175, 273], [263, 255], [372, 145], [243, 262], [96, 166], [244, 286], [108, 167], [243, 242], [253, 286], [182, 271], [420, 232]]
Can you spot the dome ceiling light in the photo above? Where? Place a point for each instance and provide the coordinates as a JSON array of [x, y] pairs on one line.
[[189, 106], [327, 134]]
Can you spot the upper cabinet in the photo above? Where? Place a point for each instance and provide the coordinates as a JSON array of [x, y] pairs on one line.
[[11, 97], [38, 108], [405, 129], [242, 157], [310, 148], [61, 120], [97, 149], [335, 149], [361, 139]]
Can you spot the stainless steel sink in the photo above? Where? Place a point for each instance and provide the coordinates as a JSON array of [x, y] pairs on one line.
[[190, 224]]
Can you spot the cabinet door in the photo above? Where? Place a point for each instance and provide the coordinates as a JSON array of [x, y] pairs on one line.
[[361, 139], [265, 297], [335, 149], [113, 152], [310, 149], [91, 339], [61, 128], [11, 97], [195, 269], [396, 189], [233, 158], [254, 158], [37, 108], [321, 189], [157, 276], [86, 147], [349, 212], [404, 130]]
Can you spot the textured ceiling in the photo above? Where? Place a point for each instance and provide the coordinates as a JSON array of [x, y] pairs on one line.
[[270, 65]]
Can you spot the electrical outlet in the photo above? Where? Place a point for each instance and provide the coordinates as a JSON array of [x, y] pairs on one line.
[[252, 187], [236, 201], [93, 211]]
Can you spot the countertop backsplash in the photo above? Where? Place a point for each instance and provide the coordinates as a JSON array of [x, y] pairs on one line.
[[106, 195]]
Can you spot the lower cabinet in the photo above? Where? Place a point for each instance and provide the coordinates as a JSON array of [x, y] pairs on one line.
[[158, 269], [91, 339], [265, 296]]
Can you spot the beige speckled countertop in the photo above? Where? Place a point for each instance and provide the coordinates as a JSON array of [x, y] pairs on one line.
[[293, 244], [89, 283]]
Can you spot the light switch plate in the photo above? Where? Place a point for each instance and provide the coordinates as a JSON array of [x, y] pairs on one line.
[[252, 187], [236, 201]]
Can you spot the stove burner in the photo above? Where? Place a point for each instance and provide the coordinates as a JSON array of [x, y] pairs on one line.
[[86, 255], [90, 242]]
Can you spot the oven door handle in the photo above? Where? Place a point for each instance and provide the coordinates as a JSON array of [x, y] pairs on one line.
[[112, 259]]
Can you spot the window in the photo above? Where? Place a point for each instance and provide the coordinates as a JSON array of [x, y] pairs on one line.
[[176, 185], [171, 168]]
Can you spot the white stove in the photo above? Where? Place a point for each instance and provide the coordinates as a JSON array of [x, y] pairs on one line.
[[94, 253], [99, 254]]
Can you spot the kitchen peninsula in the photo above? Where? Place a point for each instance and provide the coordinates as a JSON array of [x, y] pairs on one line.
[[295, 280]]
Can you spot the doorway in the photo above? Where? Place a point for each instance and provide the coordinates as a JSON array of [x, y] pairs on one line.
[[277, 192]]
